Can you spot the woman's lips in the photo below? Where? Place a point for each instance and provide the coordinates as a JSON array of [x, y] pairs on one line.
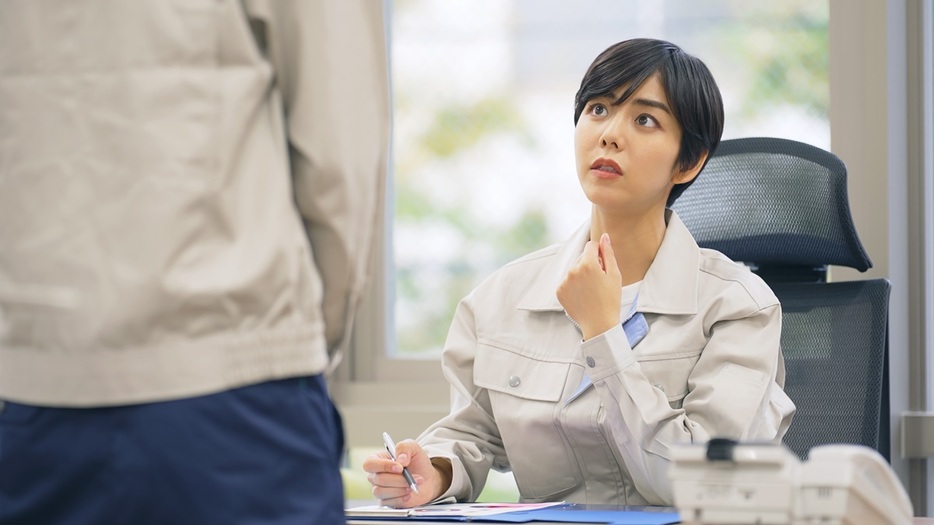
[[604, 174], [603, 168]]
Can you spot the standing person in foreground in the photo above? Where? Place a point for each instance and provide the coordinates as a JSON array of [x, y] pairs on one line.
[[579, 366], [188, 192]]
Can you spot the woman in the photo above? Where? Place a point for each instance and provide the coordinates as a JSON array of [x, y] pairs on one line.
[[579, 366]]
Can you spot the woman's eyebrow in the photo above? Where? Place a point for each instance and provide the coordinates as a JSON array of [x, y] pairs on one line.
[[652, 104]]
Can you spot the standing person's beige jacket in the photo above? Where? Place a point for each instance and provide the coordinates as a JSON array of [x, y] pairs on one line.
[[594, 422], [181, 215]]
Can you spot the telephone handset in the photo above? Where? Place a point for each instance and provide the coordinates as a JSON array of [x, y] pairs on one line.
[[855, 483], [725, 483]]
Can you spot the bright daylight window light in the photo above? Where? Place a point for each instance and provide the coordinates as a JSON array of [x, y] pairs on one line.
[[483, 122]]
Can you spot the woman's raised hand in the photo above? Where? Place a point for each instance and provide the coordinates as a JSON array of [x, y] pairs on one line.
[[590, 293]]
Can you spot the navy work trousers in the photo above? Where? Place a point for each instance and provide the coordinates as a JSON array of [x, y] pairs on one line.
[[262, 454]]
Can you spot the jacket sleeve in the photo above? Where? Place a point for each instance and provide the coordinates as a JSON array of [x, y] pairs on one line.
[[330, 65], [734, 391], [468, 435]]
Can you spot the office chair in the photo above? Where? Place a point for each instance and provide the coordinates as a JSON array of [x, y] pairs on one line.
[[781, 207]]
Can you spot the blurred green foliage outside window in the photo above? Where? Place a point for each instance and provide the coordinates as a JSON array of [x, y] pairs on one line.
[[483, 96]]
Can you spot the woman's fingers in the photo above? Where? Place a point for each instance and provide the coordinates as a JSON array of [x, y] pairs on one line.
[[384, 473], [590, 292], [389, 485], [608, 256], [591, 253], [381, 462]]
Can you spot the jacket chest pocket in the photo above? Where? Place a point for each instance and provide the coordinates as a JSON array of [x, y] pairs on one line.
[[525, 395]]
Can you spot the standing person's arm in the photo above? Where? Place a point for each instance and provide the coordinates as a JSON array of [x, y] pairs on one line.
[[331, 68]]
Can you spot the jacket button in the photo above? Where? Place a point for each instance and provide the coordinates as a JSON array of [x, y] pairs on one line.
[[590, 362], [514, 381]]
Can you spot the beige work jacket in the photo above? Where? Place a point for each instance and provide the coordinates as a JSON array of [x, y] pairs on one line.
[[709, 366], [188, 192]]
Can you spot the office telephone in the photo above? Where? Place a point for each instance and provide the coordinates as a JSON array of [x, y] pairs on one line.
[[727, 483]]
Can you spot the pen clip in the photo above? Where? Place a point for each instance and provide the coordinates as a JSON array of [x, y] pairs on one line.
[[389, 445]]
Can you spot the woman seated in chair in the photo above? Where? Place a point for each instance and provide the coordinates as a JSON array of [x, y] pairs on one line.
[[579, 366]]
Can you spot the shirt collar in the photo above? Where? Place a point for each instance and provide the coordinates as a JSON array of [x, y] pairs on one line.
[[669, 286]]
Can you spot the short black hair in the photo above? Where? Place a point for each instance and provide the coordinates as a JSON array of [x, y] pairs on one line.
[[690, 87]]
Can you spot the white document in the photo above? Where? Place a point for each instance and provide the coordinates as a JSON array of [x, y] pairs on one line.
[[446, 509]]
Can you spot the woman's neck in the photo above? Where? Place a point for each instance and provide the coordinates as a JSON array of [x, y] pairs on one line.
[[635, 240]]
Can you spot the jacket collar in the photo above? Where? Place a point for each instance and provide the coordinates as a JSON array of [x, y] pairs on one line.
[[669, 286]]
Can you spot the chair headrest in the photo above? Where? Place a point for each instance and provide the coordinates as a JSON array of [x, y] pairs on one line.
[[774, 203]]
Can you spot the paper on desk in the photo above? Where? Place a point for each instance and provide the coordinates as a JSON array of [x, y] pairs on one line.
[[631, 515], [452, 510], [524, 513]]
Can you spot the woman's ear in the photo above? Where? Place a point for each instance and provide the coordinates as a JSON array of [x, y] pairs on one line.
[[682, 176]]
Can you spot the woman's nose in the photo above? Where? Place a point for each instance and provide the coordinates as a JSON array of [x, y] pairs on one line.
[[612, 136]]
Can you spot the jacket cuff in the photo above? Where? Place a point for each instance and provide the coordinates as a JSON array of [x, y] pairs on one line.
[[460, 483], [607, 354]]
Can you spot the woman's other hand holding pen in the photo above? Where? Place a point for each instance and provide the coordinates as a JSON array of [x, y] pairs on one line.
[[390, 486]]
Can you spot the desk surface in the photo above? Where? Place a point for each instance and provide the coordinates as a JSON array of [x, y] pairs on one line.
[[352, 521], [422, 520]]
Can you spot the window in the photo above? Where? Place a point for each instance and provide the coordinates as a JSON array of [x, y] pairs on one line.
[[483, 94], [483, 168]]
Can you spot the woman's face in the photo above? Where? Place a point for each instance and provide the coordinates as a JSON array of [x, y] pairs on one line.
[[626, 154]]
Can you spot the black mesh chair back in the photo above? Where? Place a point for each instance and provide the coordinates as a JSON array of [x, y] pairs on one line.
[[781, 207], [834, 338], [777, 204]]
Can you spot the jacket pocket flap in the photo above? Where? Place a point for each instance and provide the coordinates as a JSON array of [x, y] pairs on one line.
[[519, 375]]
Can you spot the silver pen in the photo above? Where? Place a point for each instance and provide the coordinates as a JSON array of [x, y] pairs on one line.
[[391, 449]]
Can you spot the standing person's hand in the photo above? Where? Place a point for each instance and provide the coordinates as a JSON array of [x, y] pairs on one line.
[[591, 291], [390, 486]]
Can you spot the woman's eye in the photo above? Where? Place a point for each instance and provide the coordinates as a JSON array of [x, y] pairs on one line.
[[646, 120], [598, 110]]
